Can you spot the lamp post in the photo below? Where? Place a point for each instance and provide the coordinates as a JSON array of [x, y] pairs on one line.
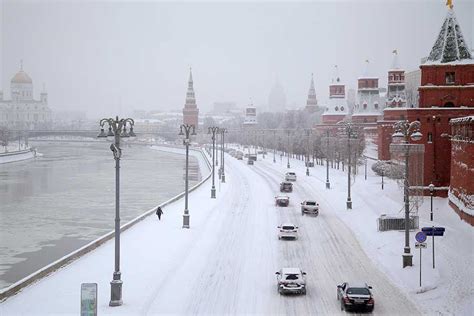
[[213, 130], [117, 130], [188, 130], [223, 131], [263, 143], [288, 148], [431, 187], [350, 132], [328, 185], [274, 145], [308, 132], [405, 130]]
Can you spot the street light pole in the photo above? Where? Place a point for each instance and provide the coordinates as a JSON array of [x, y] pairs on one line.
[[117, 130], [223, 131], [288, 162], [328, 185], [213, 130], [431, 187], [308, 131], [349, 130], [274, 145], [187, 131], [405, 130]]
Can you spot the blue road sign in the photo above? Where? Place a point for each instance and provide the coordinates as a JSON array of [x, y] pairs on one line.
[[420, 237], [433, 231]]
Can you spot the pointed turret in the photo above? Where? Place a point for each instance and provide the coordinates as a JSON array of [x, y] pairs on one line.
[[450, 45], [396, 96], [190, 111], [336, 109], [395, 62], [312, 101]]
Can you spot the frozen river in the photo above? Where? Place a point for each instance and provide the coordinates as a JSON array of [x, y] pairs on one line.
[[64, 199]]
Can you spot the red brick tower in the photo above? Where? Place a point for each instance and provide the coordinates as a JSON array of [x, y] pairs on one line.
[[446, 92], [190, 110]]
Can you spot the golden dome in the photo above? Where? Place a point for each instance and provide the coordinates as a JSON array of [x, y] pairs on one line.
[[21, 77]]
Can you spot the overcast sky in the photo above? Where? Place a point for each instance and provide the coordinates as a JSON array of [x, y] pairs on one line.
[[103, 57]]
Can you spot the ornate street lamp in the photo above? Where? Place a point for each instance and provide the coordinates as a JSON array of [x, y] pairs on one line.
[[222, 131], [308, 132], [288, 149], [404, 131], [274, 145], [328, 185], [117, 130], [188, 130], [213, 130], [351, 133]]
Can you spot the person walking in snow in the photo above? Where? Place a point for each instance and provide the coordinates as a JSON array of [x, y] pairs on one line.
[[159, 212]]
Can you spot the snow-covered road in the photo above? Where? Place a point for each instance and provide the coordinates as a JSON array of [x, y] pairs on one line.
[[225, 263]]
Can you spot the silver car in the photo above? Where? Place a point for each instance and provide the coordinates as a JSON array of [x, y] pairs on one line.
[[291, 280]]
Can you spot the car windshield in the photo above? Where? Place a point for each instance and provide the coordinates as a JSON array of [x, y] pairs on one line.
[[288, 227], [310, 203], [292, 276], [358, 290], [291, 173]]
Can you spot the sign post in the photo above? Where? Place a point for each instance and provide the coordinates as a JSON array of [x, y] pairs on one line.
[[420, 238], [89, 299], [433, 231]]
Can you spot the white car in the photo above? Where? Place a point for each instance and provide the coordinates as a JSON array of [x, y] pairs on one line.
[[291, 280], [309, 207], [288, 231], [290, 176]]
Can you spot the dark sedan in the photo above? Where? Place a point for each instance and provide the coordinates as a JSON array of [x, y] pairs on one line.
[[355, 296]]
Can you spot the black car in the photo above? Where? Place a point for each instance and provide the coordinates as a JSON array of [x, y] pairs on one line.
[[286, 186], [355, 296]]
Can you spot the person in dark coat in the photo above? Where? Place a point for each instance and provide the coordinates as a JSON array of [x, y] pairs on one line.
[[159, 212]]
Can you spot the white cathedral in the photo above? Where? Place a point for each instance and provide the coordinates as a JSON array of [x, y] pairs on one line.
[[23, 111]]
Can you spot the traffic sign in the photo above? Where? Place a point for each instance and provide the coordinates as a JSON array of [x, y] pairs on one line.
[[433, 231], [420, 245], [420, 236]]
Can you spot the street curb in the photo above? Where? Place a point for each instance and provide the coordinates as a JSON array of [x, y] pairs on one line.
[[58, 264]]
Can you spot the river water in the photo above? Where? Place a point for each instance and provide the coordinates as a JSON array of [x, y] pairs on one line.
[[65, 198]]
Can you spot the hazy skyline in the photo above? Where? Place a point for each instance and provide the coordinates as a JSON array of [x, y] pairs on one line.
[[113, 56]]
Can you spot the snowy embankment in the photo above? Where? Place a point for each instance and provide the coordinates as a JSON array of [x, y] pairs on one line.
[[204, 165], [14, 156], [225, 263], [447, 289]]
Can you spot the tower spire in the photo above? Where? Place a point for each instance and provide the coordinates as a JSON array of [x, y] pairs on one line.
[[395, 63], [450, 45]]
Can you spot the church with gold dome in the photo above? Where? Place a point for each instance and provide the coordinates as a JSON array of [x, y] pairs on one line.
[[23, 111]]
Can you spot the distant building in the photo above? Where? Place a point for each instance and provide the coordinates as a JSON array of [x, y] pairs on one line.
[[369, 103], [277, 98], [396, 97], [23, 111], [312, 101], [190, 111], [337, 108], [223, 107], [250, 119]]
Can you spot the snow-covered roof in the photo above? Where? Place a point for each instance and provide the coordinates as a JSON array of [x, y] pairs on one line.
[[450, 46], [291, 270], [465, 119]]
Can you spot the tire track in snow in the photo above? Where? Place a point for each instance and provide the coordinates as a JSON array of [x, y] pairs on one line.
[[389, 299]]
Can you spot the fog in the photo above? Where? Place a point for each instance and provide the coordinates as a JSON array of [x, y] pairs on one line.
[[107, 57]]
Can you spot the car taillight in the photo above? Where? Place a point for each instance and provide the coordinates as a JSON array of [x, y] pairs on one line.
[[346, 299], [371, 301]]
